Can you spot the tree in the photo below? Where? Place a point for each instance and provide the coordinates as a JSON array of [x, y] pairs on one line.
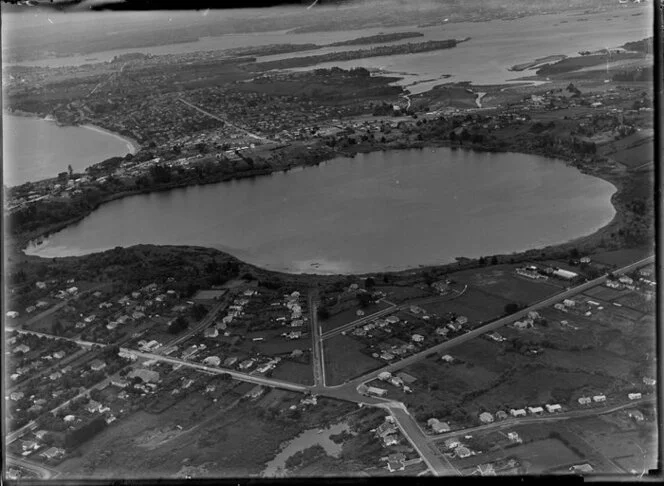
[[178, 325], [323, 313], [494, 260], [364, 299], [70, 170], [199, 311], [369, 283], [511, 308]]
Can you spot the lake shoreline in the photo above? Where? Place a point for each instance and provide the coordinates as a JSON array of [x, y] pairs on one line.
[[591, 240], [133, 145]]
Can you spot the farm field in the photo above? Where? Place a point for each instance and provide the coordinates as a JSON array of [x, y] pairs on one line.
[[344, 360], [502, 281], [605, 293]]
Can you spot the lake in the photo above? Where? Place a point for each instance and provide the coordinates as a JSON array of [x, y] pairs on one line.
[[35, 148], [376, 212]]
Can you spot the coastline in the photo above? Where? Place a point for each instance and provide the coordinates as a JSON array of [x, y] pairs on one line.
[[132, 144]]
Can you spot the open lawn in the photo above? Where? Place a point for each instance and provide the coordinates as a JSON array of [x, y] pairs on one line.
[[502, 281], [344, 360]]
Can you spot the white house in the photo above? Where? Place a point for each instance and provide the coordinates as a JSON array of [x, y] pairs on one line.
[[518, 412], [634, 396], [535, 410], [584, 400], [553, 408], [418, 338], [599, 398]]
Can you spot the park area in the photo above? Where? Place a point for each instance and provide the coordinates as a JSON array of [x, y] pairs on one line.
[[502, 282], [349, 315]]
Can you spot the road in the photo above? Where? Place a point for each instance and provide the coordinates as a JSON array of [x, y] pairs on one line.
[[515, 422], [259, 380], [438, 464], [212, 115], [202, 324], [317, 342], [41, 471], [85, 344], [494, 325]]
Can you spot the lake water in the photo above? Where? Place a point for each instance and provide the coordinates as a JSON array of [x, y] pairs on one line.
[[35, 148], [376, 212], [303, 441]]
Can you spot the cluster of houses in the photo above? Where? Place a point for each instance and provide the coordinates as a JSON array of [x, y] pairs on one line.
[[530, 272], [379, 323], [535, 273], [455, 447], [396, 380], [527, 323]]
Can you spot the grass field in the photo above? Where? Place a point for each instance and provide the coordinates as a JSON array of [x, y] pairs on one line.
[[296, 372], [619, 258], [344, 360], [605, 293], [475, 304], [501, 281]]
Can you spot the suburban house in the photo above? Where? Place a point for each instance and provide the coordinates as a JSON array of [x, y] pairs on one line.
[[518, 412], [582, 468], [386, 428], [599, 398], [461, 320], [52, 453], [120, 383], [390, 440], [634, 396], [501, 415], [584, 401], [22, 348], [462, 452], [146, 376], [447, 358], [255, 392], [212, 361], [246, 364], [525, 324], [553, 408], [93, 406], [230, 361], [437, 426], [452, 443], [514, 437], [535, 410], [649, 381], [636, 415], [384, 375], [486, 418], [97, 365], [211, 332], [396, 381], [418, 338]]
